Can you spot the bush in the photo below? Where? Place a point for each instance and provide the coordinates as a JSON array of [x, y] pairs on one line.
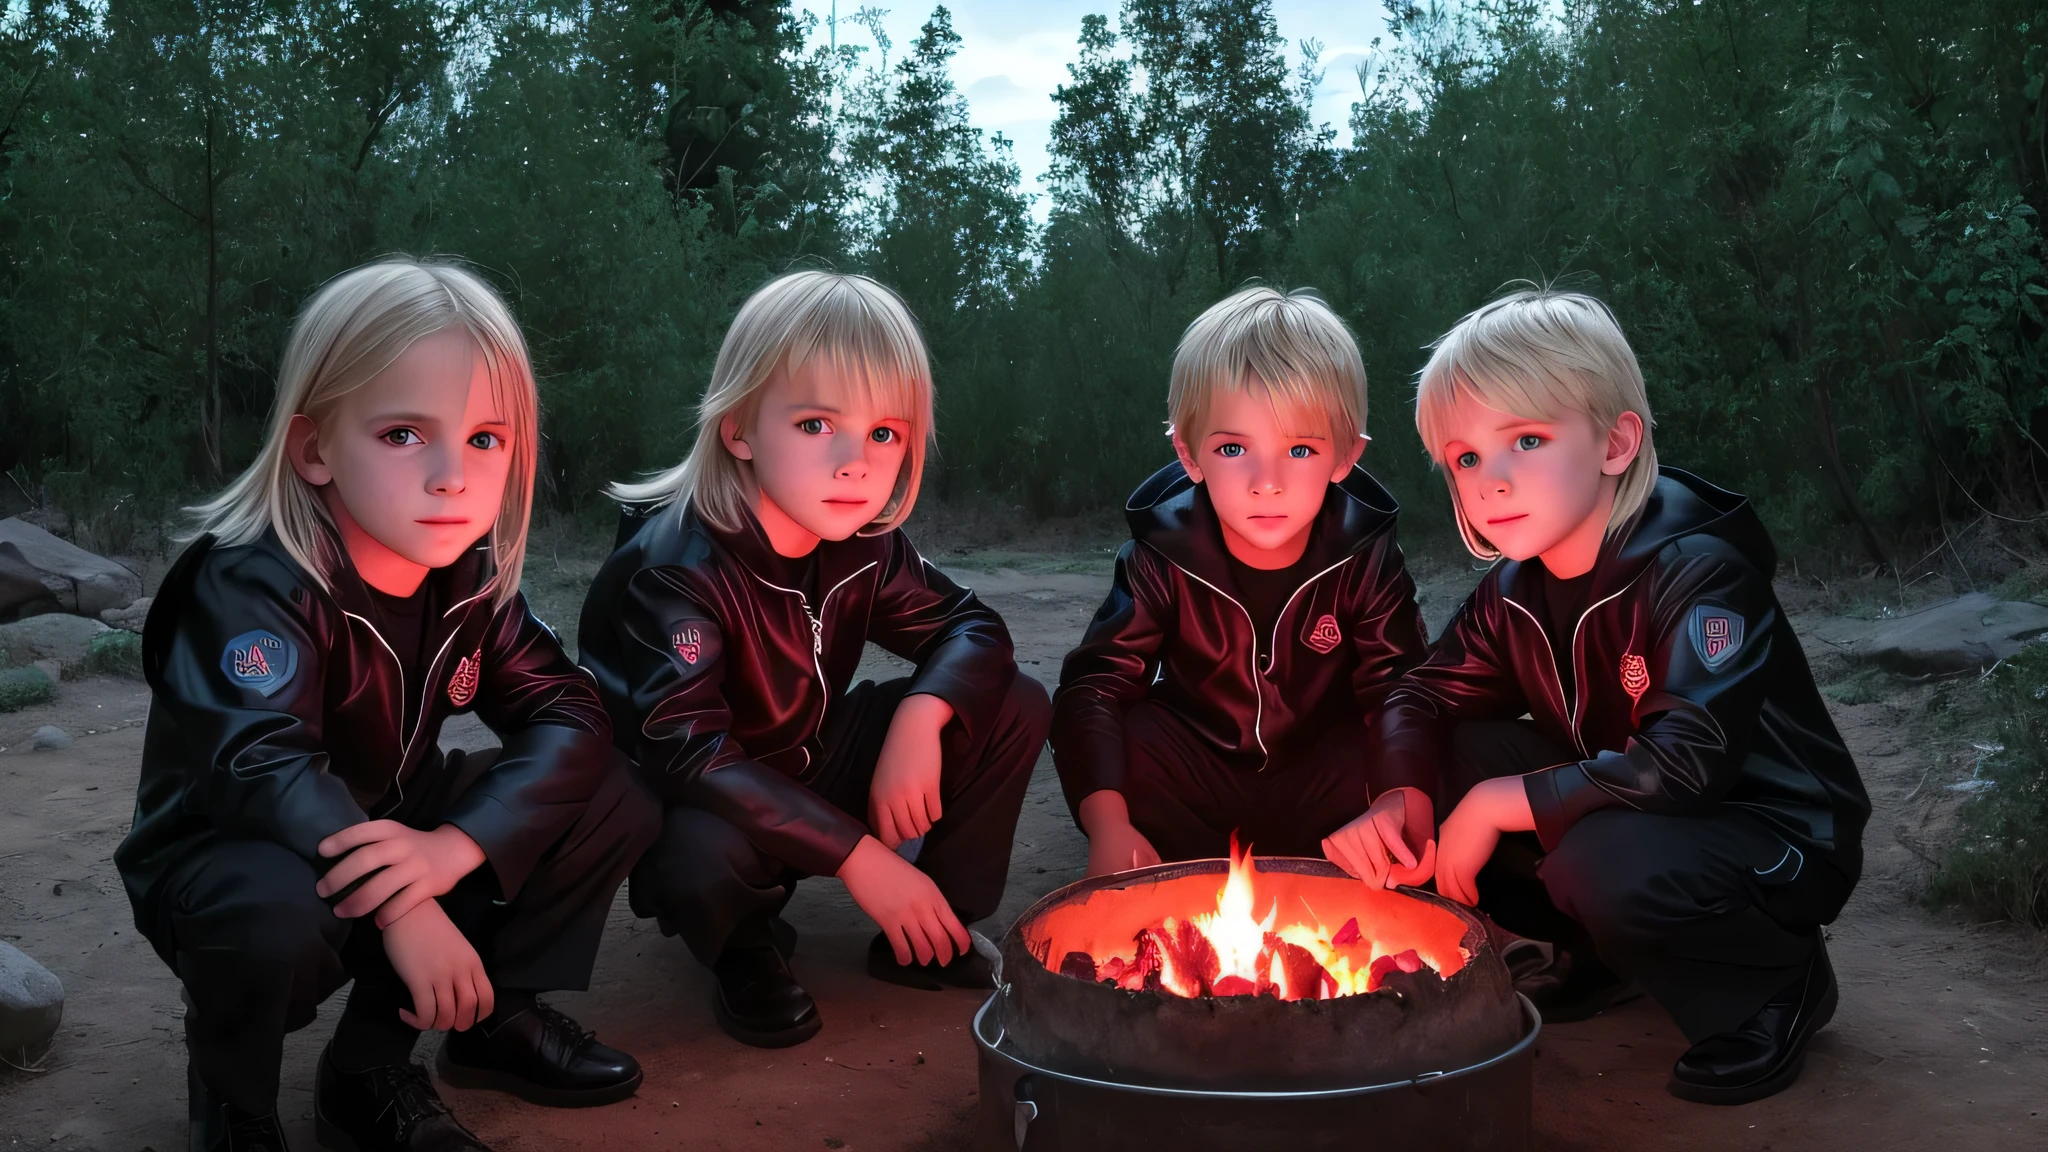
[[21, 687], [116, 653], [2001, 862]]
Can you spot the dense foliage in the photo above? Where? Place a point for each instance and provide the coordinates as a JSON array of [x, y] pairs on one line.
[[1820, 222], [2000, 862]]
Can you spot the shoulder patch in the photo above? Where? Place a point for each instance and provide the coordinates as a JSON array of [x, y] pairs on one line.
[[1325, 636], [260, 661], [462, 685], [692, 644], [1716, 633]]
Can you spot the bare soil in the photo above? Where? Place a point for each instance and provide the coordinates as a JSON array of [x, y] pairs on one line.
[[1941, 1041]]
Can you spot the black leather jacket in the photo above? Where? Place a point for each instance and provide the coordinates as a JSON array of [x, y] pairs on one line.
[[719, 680], [1692, 696], [279, 713], [1172, 630]]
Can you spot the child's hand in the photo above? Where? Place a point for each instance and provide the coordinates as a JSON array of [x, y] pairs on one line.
[[405, 867], [903, 800], [1380, 847], [904, 903], [1469, 836], [440, 969], [1113, 843]]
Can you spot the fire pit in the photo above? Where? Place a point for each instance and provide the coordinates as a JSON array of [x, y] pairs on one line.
[[1247, 1004]]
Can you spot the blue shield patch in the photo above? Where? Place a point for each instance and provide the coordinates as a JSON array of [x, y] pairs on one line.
[[260, 661], [1716, 635]]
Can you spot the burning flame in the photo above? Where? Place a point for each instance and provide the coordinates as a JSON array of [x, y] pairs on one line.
[[1233, 951]]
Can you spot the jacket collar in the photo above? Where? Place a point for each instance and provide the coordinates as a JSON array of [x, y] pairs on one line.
[[837, 559], [1680, 504], [473, 575], [1172, 513]]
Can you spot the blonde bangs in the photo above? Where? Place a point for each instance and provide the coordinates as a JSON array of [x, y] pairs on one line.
[[1537, 353], [867, 336], [1289, 348]]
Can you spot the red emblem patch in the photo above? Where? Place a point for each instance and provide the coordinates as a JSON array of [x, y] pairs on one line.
[[462, 685], [689, 642], [1635, 676], [1326, 635]]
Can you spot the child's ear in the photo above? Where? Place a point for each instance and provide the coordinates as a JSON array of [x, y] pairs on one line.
[[302, 448], [1624, 440], [1187, 458], [1349, 458], [730, 433]]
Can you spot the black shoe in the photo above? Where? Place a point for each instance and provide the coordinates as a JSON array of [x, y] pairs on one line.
[[1763, 1056], [222, 1127], [541, 1056], [389, 1108], [967, 970], [758, 1001]]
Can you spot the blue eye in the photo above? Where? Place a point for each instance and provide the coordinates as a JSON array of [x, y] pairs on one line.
[[401, 438], [1230, 451], [811, 427], [1468, 460], [1528, 441], [486, 440], [883, 435], [1301, 452]]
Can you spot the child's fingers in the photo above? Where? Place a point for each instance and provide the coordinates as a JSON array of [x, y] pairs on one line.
[[1388, 826], [486, 996], [374, 892], [885, 827], [422, 1014], [933, 809], [356, 865], [356, 835], [465, 1003], [962, 942], [401, 902], [899, 941]]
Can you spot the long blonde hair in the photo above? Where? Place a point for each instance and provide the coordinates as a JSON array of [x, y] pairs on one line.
[[353, 328], [873, 344], [1538, 353]]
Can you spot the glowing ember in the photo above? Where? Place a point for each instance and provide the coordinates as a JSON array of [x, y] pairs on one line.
[[1234, 951]]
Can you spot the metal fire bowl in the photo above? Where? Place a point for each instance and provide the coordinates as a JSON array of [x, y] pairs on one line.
[[1414, 1024], [1484, 1107]]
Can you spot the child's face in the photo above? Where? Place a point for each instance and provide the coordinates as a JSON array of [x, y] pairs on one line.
[[417, 458], [1266, 473], [825, 457], [1530, 486]]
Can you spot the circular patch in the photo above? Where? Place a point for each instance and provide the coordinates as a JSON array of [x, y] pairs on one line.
[[260, 660]]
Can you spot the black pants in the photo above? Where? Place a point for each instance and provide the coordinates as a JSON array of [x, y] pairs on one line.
[[1187, 797], [258, 950], [1711, 914], [707, 882]]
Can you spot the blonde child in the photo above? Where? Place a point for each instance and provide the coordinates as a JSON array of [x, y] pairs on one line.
[[296, 825], [1677, 808], [724, 634], [1258, 615]]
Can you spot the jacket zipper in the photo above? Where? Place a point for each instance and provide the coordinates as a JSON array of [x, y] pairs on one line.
[[1578, 668], [1273, 652], [817, 623], [405, 749], [1258, 681]]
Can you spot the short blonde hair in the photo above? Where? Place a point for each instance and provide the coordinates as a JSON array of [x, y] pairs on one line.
[[352, 329], [868, 335], [1537, 353], [1290, 344]]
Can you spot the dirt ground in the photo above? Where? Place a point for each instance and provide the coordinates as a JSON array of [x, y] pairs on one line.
[[1941, 1041]]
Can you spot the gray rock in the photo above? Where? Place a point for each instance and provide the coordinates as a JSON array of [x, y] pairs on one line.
[[1961, 635], [31, 1006], [78, 580], [49, 738], [59, 636], [129, 618]]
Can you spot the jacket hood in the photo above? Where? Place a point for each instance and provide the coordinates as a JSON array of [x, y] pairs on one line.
[[1680, 504], [1172, 513]]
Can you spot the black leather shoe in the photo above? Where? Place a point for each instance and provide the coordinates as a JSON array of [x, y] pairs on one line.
[[542, 1057], [221, 1127], [389, 1108], [758, 1001], [967, 970], [1763, 1056]]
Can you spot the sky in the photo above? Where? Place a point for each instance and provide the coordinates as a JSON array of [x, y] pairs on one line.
[[1013, 53]]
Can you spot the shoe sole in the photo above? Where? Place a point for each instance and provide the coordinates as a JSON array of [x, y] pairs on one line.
[[461, 1076], [756, 1038], [1771, 1084]]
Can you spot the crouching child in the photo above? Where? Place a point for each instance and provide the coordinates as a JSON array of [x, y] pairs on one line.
[[297, 825], [1256, 619], [725, 631], [1677, 812]]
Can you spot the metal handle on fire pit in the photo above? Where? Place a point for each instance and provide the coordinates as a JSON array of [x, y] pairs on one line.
[[1026, 1110]]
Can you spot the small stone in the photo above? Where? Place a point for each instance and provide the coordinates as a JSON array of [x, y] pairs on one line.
[[129, 618], [50, 738], [31, 1006]]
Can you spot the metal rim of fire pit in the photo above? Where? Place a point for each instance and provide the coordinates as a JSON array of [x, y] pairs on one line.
[[1531, 1018]]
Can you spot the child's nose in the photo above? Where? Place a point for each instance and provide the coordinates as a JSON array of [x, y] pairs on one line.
[[852, 461], [444, 477]]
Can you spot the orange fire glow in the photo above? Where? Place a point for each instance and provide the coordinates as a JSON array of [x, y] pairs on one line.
[[1135, 937]]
